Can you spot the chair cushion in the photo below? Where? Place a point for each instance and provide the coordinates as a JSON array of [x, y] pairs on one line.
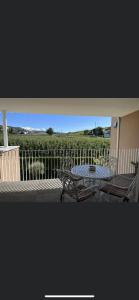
[[114, 190]]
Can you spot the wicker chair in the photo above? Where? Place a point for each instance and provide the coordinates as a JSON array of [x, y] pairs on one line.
[[123, 192], [72, 187]]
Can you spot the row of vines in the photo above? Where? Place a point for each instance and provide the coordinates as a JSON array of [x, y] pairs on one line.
[[42, 142]]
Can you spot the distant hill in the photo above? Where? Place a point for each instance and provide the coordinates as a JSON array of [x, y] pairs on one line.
[[14, 130], [20, 130]]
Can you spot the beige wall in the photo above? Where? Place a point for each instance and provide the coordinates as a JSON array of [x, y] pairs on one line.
[[10, 165], [128, 133], [128, 142]]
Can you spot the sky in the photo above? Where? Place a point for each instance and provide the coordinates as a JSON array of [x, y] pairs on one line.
[[60, 123]]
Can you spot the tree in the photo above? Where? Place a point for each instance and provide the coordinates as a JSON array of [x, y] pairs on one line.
[[11, 130], [98, 131], [86, 132], [50, 131]]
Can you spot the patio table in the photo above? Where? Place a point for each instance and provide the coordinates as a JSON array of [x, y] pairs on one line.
[[101, 172]]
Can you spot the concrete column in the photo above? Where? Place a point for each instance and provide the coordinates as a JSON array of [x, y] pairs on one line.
[[5, 133]]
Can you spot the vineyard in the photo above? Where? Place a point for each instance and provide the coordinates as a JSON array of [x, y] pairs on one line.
[[42, 142]]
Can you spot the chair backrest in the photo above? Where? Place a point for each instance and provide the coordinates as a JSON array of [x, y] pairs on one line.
[[67, 163], [136, 166], [62, 174], [71, 186], [132, 185], [66, 174], [130, 193], [69, 181], [110, 161]]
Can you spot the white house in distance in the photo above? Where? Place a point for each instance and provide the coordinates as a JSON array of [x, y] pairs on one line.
[[107, 133]]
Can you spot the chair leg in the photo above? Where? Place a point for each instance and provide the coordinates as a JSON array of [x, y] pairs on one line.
[[61, 197], [125, 199], [100, 195], [105, 197]]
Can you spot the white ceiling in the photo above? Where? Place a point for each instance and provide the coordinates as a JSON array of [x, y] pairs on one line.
[[116, 107]]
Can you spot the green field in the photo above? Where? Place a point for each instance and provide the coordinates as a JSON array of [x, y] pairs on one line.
[[44, 142]]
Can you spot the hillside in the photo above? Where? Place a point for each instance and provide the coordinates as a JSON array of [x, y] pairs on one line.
[[20, 130]]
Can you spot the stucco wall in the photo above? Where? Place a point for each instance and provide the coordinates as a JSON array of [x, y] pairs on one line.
[[129, 132], [128, 142]]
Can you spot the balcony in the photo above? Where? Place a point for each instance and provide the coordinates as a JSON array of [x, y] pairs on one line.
[[27, 172], [31, 175]]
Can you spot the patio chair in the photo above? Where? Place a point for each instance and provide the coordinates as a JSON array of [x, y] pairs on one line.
[[129, 176], [125, 193], [110, 162], [67, 163], [136, 166], [72, 187]]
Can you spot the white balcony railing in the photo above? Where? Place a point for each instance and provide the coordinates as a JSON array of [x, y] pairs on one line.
[[42, 164]]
